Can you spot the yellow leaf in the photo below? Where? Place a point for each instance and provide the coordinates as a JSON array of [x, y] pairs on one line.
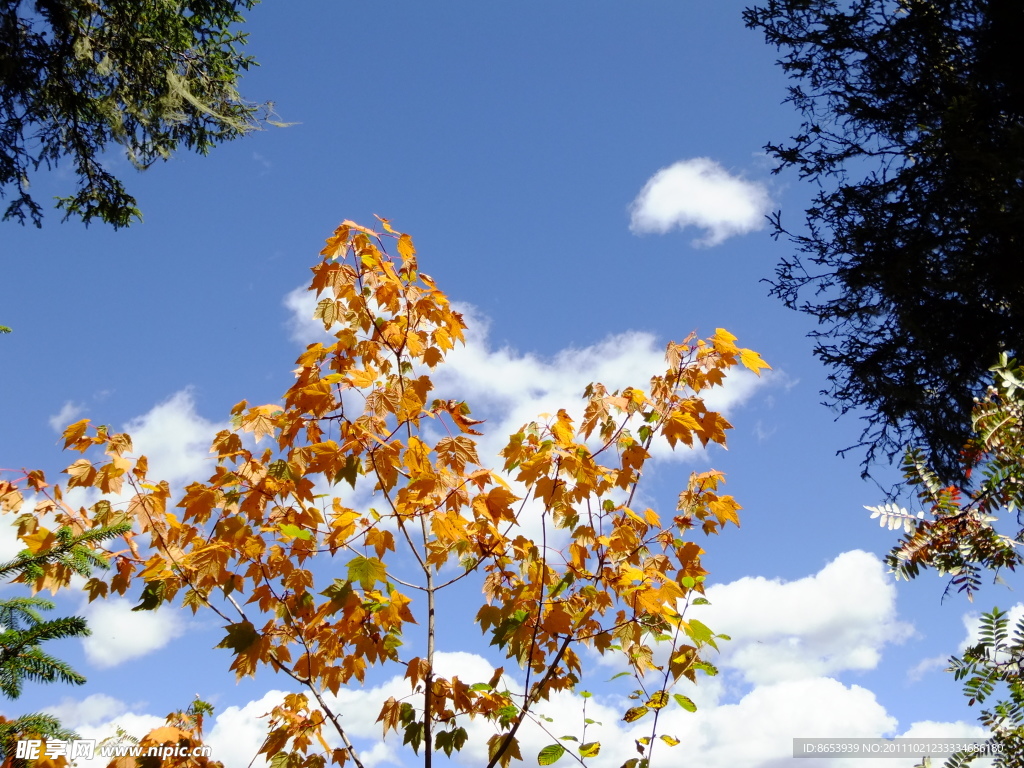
[[558, 622], [259, 420], [336, 243], [562, 429], [634, 713], [363, 379], [405, 248], [327, 311], [74, 432], [659, 700], [590, 749], [359, 227], [725, 509], [634, 516], [724, 342], [753, 361], [81, 472]]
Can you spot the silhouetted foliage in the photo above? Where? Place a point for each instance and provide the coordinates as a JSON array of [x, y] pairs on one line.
[[78, 77], [913, 131]]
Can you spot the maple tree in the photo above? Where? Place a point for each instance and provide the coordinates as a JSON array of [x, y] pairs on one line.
[[321, 592]]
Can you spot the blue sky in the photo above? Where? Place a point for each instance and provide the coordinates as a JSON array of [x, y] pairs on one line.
[[589, 177]]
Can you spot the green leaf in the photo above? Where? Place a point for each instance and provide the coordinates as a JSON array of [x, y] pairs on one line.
[[459, 737], [701, 601], [550, 754], [152, 596], [443, 741], [698, 631], [684, 702], [281, 470], [352, 469], [414, 736], [339, 591], [294, 532], [367, 571], [406, 714], [240, 637], [565, 581], [708, 669]]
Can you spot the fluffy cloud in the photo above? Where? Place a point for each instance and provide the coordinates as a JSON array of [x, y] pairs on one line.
[[972, 625], [699, 193], [100, 717], [120, 634], [67, 414], [10, 544], [239, 732], [91, 711], [838, 619], [303, 328], [175, 439], [923, 667]]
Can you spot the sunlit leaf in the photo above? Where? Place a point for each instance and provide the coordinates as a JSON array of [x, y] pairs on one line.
[[550, 754]]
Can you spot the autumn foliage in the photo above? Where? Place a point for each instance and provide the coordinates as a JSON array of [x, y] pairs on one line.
[[320, 591]]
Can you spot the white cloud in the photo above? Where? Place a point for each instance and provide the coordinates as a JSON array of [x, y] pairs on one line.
[[699, 193], [111, 717], [120, 634], [66, 415], [972, 625], [759, 729], [239, 732], [838, 619], [381, 753], [175, 439], [10, 544], [90, 711], [303, 328], [923, 667]]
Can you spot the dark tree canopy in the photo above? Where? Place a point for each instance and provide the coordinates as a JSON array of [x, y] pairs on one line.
[[78, 77], [911, 259]]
